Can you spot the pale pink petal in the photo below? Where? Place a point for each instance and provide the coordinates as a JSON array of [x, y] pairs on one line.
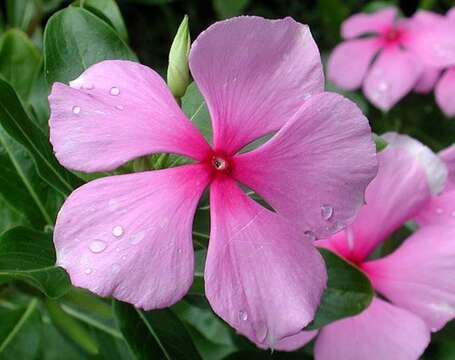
[[431, 38], [254, 74], [349, 62], [261, 276], [114, 112], [396, 195], [427, 80], [440, 210], [360, 24], [381, 332], [434, 167], [419, 276], [314, 171], [393, 74], [294, 342], [445, 92], [451, 14], [129, 236], [448, 156]]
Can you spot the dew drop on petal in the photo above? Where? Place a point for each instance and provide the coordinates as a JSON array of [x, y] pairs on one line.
[[306, 96], [243, 316], [137, 238], [76, 110], [113, 205], [123, 257], [115, 268], [88, 271], [114, 91], [89, 86], [97, 246], [117, 231], [326, 211], [119, 107], [309, 235], [439, 211]]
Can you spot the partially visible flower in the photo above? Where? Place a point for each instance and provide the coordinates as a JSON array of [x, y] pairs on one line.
[[387, 55], [130, 236], [415, 281], [431, 78]]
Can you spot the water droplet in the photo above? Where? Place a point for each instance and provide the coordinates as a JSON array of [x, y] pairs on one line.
[[119, 107], [117, 231], [439, 211], [115, 268], [118, 249], [137, 238], [383, 86], [88, 271], [114, 91], [179, 251], [124, 257], [326, 211], [306, 97], [113, 205], [97, 246], [309, 235], [243, 316], [76, 110], [88, 86]]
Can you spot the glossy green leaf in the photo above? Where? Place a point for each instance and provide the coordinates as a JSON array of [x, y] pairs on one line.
[[24, 14], [229, 8], [381, 144], [87, 40], [20, 332], [348, 291], [20, 184], [194, 106], [71, 327], [10, 217], [155, 334], [29, 255], [107, 10], [20, 61], [19, 126]]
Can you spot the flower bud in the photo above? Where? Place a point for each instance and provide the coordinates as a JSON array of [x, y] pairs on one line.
[[178, 75]]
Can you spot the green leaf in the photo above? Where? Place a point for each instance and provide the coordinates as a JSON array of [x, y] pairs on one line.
[[29, 255], [87, 40], [10, 217], [19, 126], [226, 9], [194, 106], [24, 14], [71, 327], [20, 332], [20, 62], [108, 11], [381, 144], [348, 291], [155, 334], [20, 184]]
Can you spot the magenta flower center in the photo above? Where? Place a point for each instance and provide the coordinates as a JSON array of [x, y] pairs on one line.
[[220, 163], [393, 35]]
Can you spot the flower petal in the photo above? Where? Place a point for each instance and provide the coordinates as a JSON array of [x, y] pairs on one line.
[[393, 74], [114, 112], [314, 171], [254, 74], [440, 210], [261, 276], [360, 24], [427, 80], [382, 331], [294, 342], [445, 92], [130, 236], [434, 167], [419, 275], [448, 156], [395, 195], [349, 62]]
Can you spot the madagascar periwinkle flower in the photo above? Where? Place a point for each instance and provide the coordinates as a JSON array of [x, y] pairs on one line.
[[386, 55], [130, 236], [415, 282]]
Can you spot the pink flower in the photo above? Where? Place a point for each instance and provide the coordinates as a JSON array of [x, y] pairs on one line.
[[431, 78], [415, 281], [130, 236], [387, 55]]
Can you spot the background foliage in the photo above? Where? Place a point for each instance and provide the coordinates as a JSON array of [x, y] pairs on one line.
[[41, 315]]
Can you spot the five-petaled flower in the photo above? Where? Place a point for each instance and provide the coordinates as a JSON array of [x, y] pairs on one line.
[[416, 281], [388, 55], [130, 236]]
